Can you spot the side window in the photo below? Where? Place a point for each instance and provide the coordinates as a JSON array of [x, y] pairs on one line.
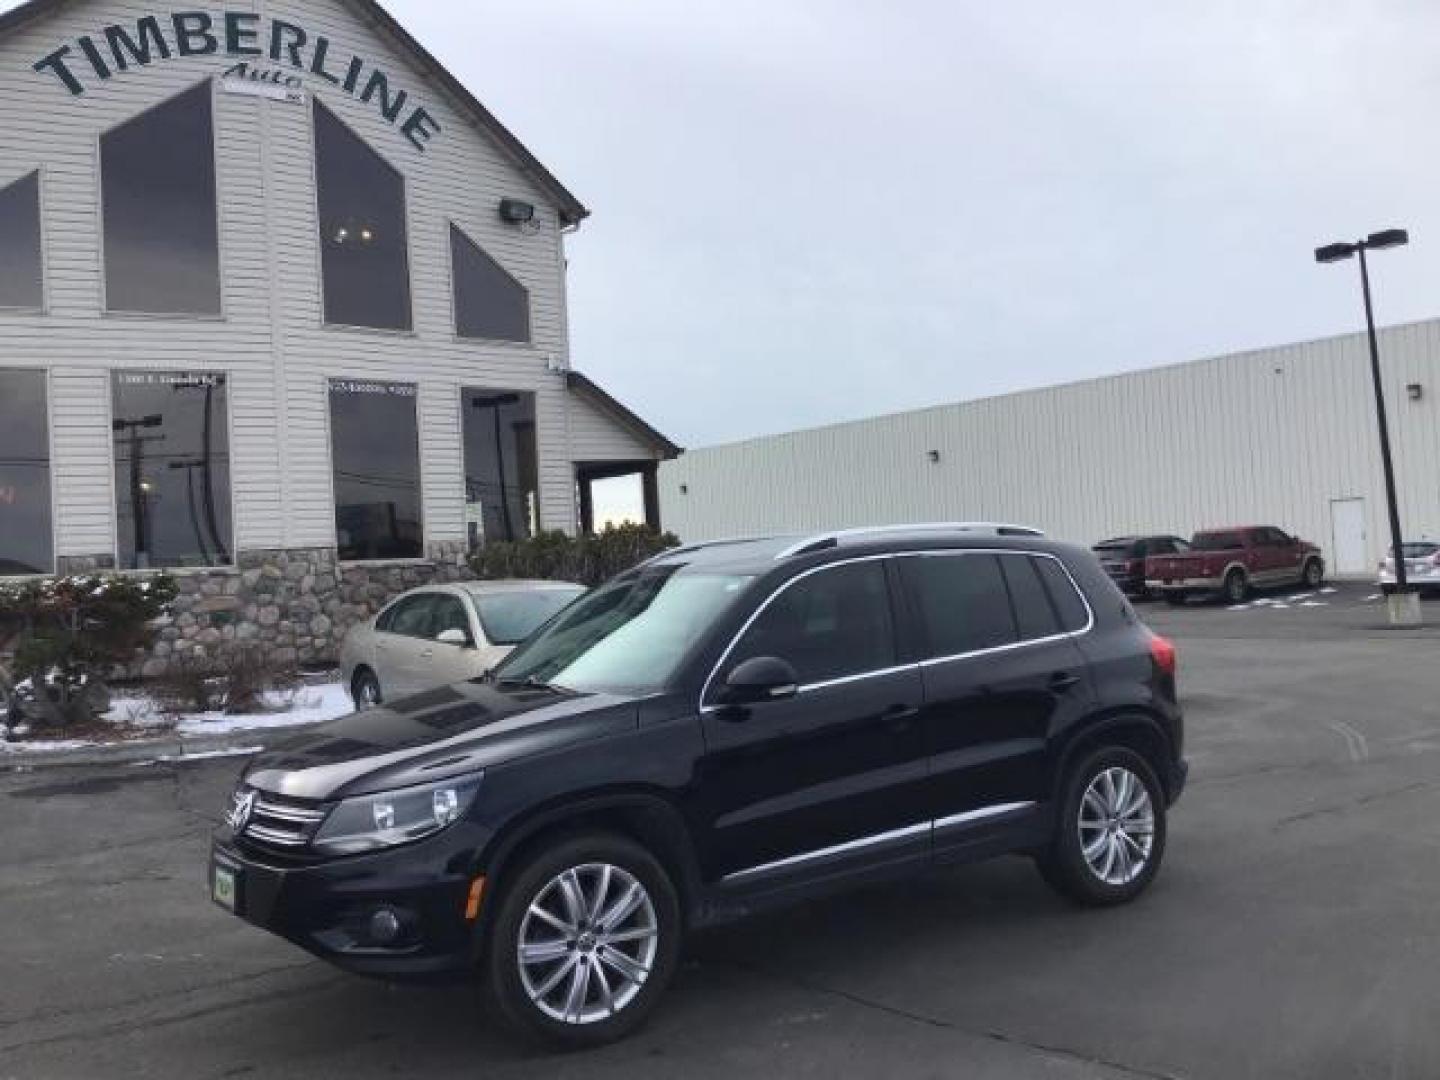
[[962, 602], [1034, 614], [448, 613], [829, 625], [410, 618], [1159, 546], [1074, 615]]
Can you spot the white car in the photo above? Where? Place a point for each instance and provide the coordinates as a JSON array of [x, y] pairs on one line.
[[442, 634], [1422, 566]]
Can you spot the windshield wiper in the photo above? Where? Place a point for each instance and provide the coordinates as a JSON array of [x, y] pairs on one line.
[[529, 681]]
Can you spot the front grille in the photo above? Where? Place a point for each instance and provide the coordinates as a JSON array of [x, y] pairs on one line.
[[276, 822]]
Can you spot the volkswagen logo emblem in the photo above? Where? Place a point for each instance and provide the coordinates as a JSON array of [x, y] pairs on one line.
[[241, 805]]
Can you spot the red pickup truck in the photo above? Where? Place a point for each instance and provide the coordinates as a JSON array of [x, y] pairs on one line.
[[1228, 563]]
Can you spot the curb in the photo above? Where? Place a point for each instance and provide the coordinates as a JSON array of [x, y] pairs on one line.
[[140, 751]]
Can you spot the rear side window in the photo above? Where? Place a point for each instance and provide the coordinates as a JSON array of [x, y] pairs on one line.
[[829, 625], [1069, 605], [962, 602], [1035, 615]]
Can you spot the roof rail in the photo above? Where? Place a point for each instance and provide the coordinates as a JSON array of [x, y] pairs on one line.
[[701, 545], [821, 541]]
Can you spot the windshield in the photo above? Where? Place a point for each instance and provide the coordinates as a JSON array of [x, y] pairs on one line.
[[628, 636], [509, 618], [1216, 541]]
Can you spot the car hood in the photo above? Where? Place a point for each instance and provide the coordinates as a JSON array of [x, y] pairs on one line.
[[432, 736]]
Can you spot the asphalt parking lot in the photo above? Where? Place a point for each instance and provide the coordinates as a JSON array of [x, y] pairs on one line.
[[1293, 933]]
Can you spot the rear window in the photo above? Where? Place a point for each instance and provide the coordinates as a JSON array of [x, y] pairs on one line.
[[1131, 549], [1219, 541], [1419, 550], [962, 602], [509, 618]]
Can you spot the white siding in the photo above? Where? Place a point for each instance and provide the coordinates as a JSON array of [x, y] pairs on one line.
[[1270, 436], [596, 435], [271, 339]]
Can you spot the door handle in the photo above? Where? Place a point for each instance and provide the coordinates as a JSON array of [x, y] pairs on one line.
[[898, 718], [1064, 681]]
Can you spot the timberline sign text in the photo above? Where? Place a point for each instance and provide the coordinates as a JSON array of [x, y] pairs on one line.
[[240, 34]]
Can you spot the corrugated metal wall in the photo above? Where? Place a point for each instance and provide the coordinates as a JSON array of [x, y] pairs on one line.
[[271, 340], [1271, 436]]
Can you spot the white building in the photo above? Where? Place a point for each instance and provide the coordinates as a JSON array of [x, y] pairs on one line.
[[1283, 436], [280, 301]]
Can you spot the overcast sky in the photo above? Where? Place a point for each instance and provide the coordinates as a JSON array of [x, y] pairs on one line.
[[814, 210]]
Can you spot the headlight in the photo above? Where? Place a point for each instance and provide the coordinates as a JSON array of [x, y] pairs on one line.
[[370, 822]]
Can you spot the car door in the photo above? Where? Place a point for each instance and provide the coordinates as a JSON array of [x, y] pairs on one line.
[[1270, 567], [401, 635], [1001, 677], [833, 777], [442, 663]]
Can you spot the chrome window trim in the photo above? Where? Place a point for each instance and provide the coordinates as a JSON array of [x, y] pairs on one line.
[[1049, 639], [860, 843], [735, 640]]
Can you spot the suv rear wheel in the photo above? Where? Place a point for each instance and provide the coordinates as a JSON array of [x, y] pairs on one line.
[[585, 941], [1110, 836]]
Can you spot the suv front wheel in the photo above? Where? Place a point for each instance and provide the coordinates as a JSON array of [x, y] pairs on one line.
[[585, 940], [1110, 835]]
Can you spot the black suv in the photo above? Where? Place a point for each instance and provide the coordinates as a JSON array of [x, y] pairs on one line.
[[726, 727], [1124, 559]]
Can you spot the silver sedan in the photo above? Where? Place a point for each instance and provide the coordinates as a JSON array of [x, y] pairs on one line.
[[1422, 566], [440, 634]]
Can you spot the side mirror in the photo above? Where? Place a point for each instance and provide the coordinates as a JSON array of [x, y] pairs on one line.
[[761, 678], [453, 636]]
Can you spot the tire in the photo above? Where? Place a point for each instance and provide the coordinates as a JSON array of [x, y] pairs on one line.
[[1176, 599], [634, 968], [1086, 879], [1313, 576], [1236, 588], [365, 689]]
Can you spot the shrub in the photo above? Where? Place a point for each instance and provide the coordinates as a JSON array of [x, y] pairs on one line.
[[234, 682], [588, 560], [65, 635]]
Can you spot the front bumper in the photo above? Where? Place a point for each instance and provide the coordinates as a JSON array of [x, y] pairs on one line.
[[326, 908], [1199, 584]]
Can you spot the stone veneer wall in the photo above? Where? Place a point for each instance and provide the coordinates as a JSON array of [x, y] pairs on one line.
[[297, 604]]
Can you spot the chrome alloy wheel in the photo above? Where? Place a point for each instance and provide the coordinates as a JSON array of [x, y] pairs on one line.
[[587, 943], [1117, 826]]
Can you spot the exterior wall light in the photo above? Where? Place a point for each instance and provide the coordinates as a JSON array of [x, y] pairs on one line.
[[934, 456], [1415, 390], [517, 211]]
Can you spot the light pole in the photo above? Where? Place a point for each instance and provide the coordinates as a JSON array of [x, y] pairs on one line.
[[1404, 604]]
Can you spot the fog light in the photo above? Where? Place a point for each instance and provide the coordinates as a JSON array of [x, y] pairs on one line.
[[384, 926]]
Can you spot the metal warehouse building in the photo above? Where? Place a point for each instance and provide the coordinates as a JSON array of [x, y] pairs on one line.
[[282, 309], [1283, 436]]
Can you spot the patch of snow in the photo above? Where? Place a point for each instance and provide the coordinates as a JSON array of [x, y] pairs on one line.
[[204, 755], [1372, 597], [1240, 607], [1278, 606], [45, 745], [1328, 590], [1314, 603], [311, 705]]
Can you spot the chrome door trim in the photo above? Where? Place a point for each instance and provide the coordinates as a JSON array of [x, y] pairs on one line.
[[981, 814], [837, 849]]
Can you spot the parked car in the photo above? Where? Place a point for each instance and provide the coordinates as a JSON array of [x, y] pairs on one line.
[[1124, 558], [1229, 563], [1422, 566], [442, 634], [726, 727]]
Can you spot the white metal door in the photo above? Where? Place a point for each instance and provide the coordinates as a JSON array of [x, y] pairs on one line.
[[1347, 536]]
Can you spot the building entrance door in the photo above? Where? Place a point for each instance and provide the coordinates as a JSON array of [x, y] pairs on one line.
[[1347, 536]]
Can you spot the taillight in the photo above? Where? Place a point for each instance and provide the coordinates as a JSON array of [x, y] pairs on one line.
[[1163, 652], [1435, 559]]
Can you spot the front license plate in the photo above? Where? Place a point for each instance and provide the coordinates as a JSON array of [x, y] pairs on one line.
[[222, 888]]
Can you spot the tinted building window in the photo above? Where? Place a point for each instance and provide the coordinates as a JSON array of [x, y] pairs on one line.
[[363, 249], [829, 625], [502, 476], [375, 451], [157, 176], [26, 542], [1074, 615], [172, 468], [963, 602], [1035, 616], [21, 275], [489, 303]]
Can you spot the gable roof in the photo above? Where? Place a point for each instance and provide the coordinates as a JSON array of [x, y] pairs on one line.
[[590, 389], [572, 211]]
